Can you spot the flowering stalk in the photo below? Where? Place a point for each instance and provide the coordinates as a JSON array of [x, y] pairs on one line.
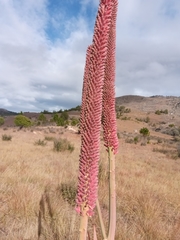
[[95, 104], [109, 120]]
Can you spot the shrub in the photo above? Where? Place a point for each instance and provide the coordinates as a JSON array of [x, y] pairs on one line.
[[129, 140], [40, 143], [136, 140], [6, 137], [64, 116], [62, 120], [74, 121], [42, 118], [22, 121], [1, 121], [159, 140], [120, 110], [158, 112], [125, 118], [47, 138], [68, 192], [144, 131], [62, 145], [118, 135], [178, 150]]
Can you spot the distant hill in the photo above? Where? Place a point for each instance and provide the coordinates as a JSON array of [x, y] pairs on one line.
[[139, 104], [151, 104], [5, 113]]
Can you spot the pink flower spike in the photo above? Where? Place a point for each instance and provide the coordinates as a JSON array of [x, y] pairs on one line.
[[91, 113]]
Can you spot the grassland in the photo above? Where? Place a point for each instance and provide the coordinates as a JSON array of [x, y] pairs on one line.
[[148, 189]]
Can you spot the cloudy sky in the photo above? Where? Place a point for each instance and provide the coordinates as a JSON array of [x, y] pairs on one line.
[[43, 47]]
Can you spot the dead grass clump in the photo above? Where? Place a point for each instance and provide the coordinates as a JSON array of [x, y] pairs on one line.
[[129, 140], [170, 153], [68, 192], [61, 145], [6, 137], [56, 221]]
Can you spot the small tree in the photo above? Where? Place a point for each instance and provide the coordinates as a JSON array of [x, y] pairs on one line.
[[1, 121], [145, 133], [64, 115], [42, 118], [22, 121]]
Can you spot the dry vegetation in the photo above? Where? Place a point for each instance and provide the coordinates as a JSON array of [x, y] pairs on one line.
[[38, 186]]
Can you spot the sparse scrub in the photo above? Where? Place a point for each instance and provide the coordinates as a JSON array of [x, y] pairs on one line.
[[68, 192], [159, 112], [146, 120], [120, 110], [136, 139], [61, 145], [49, 138], [129, 140], [118, 135], [178, 150], [40, 143], [6, 137], [159, 140], [125, 118]]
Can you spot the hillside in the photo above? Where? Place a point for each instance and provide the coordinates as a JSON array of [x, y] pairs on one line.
[[4, 112], [151, 104], [38, 176]]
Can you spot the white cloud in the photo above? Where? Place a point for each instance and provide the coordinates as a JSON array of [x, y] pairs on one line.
[[37, 73]]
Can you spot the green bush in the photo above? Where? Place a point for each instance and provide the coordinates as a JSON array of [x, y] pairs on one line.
[[144, 131], [74, 121], [22, 121], [6, 137], [1, 121], [61, 120], [158, 112], [65, 116], [62, 145], [42, 118]]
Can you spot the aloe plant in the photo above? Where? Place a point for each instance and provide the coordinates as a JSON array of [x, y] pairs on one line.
[[98, 105]]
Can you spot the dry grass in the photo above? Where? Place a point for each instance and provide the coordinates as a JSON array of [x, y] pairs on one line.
[[148, 191]]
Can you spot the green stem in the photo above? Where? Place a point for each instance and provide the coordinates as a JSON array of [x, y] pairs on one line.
[[112, 195]]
